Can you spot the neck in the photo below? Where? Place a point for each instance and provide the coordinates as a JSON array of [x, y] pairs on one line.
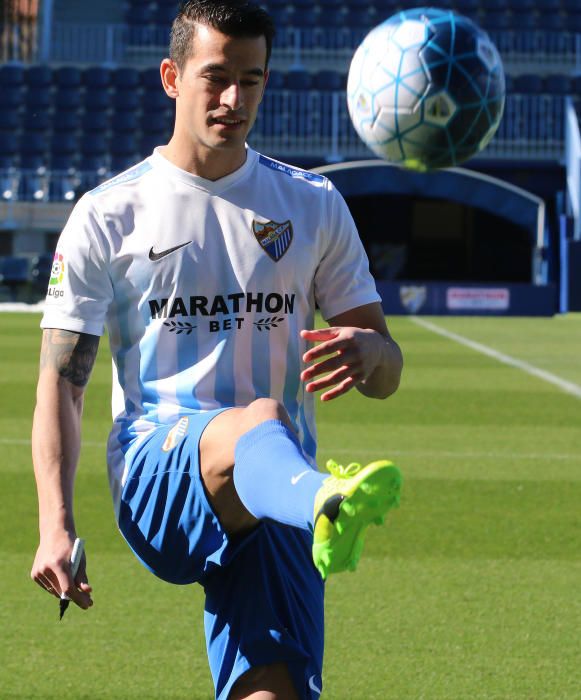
[[209, 163]]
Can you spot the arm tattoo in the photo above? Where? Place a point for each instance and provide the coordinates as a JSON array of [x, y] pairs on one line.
[[71, 354]]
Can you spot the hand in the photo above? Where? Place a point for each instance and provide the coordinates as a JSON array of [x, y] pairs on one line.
[[52, 570], [355, 353]]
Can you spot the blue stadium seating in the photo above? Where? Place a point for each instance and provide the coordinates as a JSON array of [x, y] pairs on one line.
[[38, 76], [96, 77], [10, 96], [14, 274], [38, 98], [298, 80], [33, 121], [68, 77], [95, 121], [66, 121], [40, 270], [96, 99], [9, 120], [125, 78], [11, 76], [67, 98]]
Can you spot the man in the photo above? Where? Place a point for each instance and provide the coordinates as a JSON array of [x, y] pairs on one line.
[[205, 262]]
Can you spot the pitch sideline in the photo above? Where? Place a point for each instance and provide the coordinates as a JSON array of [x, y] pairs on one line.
[[563, 384]]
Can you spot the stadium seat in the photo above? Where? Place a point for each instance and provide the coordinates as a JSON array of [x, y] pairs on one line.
[[329, 80], [38, 98], [164, 15], [67, 98], [33, 143], [63, 143], [530, 83], [66, 121], [40, 270], [305, 17], [14, 274], [275, 80], [121, 162], [124, 121], [553, 21], [97, 99], [358, 17], [155, 100], [150, 78], [10, 96], [39, 120], [9, 120], [67, 77], [124, 144], [155, 121], [11, 76], [522, 5], [150, 141], [95, 121], [8, 147], [331, 18], [94, 144], [496, 20], [96, 77], [125, 78], [548, 5], [468, 6], [524, 20], [558, 84], [139, 16], [39, 76], [126, 101], [298, 80], [333, 4]]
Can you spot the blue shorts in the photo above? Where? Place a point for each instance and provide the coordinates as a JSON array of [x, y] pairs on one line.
[[264, 597]]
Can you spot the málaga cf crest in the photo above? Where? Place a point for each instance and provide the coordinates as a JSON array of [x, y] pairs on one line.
[[274, 238]]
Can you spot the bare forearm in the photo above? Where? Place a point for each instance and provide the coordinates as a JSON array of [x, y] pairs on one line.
[[55, 451], [65, 366]]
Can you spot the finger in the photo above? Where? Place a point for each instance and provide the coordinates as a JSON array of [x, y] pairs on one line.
[[69, 588], [340, 389], [320, 333], [326, 348], [46, 585], [328, 365], [336, 377]]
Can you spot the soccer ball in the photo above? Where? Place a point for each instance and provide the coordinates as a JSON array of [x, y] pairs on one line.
[[426, 89]]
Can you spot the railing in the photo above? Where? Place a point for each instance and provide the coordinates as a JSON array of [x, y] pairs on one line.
[[315, 126], [316, 49], [573, 164]]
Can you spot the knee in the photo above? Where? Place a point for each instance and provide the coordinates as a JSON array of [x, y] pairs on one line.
[[262, 410]]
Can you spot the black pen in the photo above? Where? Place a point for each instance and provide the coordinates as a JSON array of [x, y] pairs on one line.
[[76, 557]]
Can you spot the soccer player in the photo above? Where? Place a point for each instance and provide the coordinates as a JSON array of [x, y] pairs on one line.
[[205, 263]]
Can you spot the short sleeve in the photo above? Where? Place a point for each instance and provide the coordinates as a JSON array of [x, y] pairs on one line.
[[343, 280], [80, 289]]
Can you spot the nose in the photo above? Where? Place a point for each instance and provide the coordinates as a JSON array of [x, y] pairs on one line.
[[232, 96]]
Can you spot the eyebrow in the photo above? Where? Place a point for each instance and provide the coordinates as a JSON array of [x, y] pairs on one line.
[[258, 72]]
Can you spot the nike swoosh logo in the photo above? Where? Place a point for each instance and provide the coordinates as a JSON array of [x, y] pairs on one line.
[[312, 685], [298, 477], [158, 256]]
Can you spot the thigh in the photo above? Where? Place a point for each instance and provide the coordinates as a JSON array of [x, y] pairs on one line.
[[165, 514], [266, 608], [272, 682]]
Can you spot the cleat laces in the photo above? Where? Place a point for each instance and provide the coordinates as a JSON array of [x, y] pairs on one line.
[[341, 472]]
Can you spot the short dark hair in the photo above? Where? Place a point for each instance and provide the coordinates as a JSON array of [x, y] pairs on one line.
[[236, 18]]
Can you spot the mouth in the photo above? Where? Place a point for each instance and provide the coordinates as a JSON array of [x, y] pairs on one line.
[[227, 122]]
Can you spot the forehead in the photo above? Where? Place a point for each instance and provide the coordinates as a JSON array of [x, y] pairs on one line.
[[213, 47]]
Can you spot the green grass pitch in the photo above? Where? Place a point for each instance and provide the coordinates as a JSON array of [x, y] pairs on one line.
[[469, 592]]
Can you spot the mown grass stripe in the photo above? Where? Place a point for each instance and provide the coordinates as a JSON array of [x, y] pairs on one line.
[[563, 384]]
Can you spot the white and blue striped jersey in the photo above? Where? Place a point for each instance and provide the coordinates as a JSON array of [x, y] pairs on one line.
[[204, 287]]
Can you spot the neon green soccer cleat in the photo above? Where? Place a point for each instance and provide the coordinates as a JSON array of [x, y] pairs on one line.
[[349, 500]]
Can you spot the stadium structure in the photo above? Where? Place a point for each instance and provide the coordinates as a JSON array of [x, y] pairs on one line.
[[81, 100]]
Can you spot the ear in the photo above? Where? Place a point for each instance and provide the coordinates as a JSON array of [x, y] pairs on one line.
[[169, 78]]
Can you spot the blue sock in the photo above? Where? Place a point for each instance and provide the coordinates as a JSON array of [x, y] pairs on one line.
[[272, 477]]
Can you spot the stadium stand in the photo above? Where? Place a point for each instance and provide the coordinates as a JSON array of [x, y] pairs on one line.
[[91, 104]]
